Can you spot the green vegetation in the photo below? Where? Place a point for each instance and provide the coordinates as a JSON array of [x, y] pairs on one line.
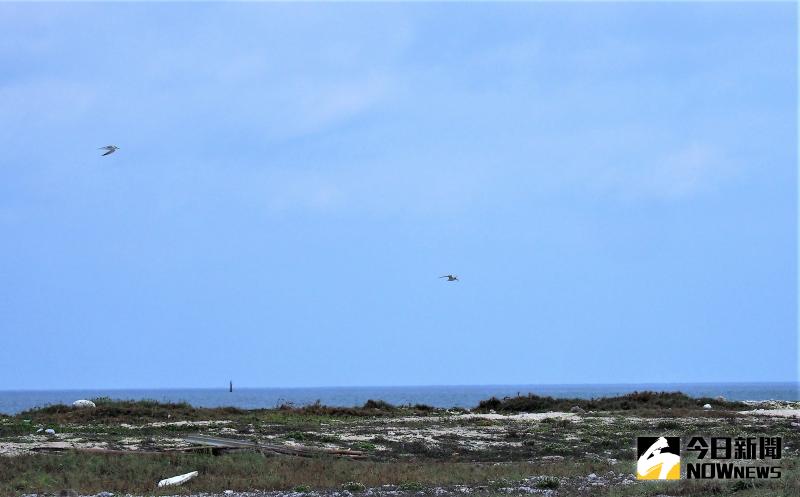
[[121, 411], [633, 401], [413, 448], [354, 486], [548, 483], [91, 473]]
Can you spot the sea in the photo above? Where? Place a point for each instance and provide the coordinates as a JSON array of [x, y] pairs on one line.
[[467, 396]]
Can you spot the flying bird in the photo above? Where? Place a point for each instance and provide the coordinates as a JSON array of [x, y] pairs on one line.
[[450, 277], [111, 149]]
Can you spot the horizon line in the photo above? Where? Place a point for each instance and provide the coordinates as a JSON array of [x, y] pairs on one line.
[[796, 382]]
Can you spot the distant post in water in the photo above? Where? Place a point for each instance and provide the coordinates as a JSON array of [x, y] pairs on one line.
[[230, 386]]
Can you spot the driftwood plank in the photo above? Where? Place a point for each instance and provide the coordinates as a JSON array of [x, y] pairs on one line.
[[301, 451]]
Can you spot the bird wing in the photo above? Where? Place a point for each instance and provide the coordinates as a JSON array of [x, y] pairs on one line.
[[107, 147], [110, 151]]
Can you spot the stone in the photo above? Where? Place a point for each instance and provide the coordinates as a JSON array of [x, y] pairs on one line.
[[50, 431], [577, 410], [83, 403], [707, 406]]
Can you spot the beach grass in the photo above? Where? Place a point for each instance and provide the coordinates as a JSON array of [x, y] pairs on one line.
[[139, 474]]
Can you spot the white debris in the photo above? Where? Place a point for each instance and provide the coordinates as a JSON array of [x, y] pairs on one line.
[[83, 403], [177, 480], [706, 406]]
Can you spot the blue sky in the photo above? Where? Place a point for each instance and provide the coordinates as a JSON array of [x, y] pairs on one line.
[[615, 184]]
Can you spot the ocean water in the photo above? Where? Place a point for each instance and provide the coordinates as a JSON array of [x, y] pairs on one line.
[[12, 402]]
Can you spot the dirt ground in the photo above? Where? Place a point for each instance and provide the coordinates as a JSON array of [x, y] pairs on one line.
[[436, 453]]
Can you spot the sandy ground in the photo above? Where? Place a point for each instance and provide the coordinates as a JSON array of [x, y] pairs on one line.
[[783, 413]]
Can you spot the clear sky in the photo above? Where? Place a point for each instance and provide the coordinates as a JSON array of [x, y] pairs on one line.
[[615, 184]]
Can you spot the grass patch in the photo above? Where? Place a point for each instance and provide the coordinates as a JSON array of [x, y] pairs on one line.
[[633, 401], [547, 483], [122, 411], [114, 412], [138, 474], [354, 486]]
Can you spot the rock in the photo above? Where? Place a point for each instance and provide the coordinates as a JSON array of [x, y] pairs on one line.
[[706, 406], [83, 403], [50, 431], [40, 430], [577, 410], [592, 476], [228, 492], [68, 493], [719, 398], [104, 494]]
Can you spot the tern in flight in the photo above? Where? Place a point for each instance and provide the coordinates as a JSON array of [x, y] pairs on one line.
[[111, 149], [450, 277]]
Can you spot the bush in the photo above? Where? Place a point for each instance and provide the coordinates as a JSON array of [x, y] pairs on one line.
[[354, 486], [631, 401], [319, 409], [491, 404], [380, 405], [119, 411], [547, 482]]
